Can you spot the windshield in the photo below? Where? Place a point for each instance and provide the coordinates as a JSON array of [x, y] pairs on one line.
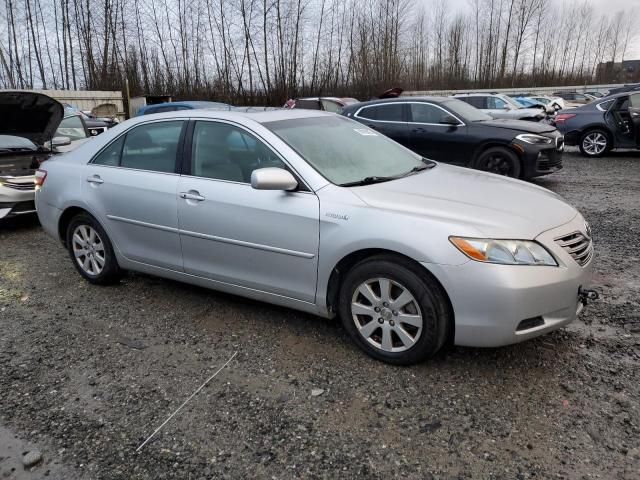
[[512, 101], [344, 151], [71, 127], [467, 112]]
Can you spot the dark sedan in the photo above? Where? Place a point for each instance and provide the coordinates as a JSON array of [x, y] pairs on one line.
[[452, 131], [607, 123]]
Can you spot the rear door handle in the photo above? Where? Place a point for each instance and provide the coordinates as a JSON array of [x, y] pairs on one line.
[[192, 195], [95, 179]]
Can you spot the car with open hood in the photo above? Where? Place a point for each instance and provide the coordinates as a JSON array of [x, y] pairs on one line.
[[410, 253], [29, 135], [452, 131]]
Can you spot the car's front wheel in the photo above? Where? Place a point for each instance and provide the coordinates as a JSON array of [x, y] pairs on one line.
[[499, 160], [394, 311], [91, 251], [595, 143]]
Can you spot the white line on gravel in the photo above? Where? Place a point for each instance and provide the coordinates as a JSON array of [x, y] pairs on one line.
[[186, 401]]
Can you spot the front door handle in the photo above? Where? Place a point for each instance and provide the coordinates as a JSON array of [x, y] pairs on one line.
[[95, 179], [192, 195]]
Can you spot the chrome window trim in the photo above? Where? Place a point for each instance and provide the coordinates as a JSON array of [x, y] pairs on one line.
[[409, 102], [598, 105]]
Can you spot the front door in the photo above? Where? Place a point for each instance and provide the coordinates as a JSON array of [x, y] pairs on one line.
[[262, 240], [132, 185], [435, 140]]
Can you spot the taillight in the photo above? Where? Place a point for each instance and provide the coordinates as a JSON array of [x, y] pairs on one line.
[[41, 176], [563, 117]]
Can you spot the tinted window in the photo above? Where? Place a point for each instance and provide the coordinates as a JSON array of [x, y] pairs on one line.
[[111, 154], [425, 113], [152, 147], [391, 112], [478, 102], [71, 127], [224, 152], [605, 105]]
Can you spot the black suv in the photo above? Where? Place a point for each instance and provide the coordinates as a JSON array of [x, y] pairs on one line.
[[607, 123], [448, 130]]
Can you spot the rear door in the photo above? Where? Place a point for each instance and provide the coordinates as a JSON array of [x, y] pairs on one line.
[[131, 185], [390, 119], [432, 139], [618, 118]]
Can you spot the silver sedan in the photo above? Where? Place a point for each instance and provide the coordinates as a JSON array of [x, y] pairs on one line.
[[313, 211]]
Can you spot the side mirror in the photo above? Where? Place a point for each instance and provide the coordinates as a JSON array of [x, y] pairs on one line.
[[60, 141], [449, 120], [273, 179]]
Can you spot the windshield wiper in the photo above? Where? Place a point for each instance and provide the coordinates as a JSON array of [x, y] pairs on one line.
[[426, 165], [367, 181]]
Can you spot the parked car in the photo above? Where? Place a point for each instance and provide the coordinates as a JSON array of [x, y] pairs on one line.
[[327, 104], [631, 87], [27, 131], [95, 126], [409, 252], [180, 106], [452, 131], [574, 97], [74, 128], [502, 106], [598, 127], [556, 103], [595, 94]]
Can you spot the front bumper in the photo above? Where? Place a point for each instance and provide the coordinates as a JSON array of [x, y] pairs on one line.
[[542, 160], [497, 305]]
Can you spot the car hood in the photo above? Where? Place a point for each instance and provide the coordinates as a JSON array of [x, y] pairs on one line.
[[30, 115], [520, 125], [472, 202]]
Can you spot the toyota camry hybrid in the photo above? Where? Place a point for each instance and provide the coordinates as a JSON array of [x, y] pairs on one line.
[[317, 212]]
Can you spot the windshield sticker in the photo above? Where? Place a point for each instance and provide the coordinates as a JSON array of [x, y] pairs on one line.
[[365, 132]]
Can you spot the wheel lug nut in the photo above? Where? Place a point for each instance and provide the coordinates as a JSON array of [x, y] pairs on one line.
[[385, 304], [392, 323], [395, 313], [377, 309], [380, 320]]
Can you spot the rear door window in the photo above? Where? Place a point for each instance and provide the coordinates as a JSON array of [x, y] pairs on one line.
[[391, 112], [152, 147], [478, 102], [495, 103]]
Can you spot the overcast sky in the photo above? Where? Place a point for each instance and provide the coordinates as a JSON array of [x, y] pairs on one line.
[[600, 6]]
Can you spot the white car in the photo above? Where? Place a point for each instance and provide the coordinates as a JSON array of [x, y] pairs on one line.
[[502, 106]]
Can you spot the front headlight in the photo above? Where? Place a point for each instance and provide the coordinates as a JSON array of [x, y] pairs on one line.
[[534, 139], [506, 252]]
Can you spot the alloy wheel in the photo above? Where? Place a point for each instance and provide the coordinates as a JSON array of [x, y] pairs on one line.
[[88, 249], [386, 314], [594, 143], [499, 164]]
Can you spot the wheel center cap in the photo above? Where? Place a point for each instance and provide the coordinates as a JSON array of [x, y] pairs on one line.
[[386, 314]]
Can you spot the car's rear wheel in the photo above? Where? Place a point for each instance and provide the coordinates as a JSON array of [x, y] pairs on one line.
[[91, 251], [595, 143], [393, 311], [499, 160]]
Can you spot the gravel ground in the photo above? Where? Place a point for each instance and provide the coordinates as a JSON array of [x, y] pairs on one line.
[[87, 373]]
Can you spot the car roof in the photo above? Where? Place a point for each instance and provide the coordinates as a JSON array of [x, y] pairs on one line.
[[379, 101], [257, 116]]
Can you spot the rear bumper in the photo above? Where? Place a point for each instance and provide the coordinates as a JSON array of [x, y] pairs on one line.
[[497, 305]]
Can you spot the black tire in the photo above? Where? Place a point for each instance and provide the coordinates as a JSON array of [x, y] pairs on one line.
[[499, 160], [426, 292], [587, 147], [110, 272]]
